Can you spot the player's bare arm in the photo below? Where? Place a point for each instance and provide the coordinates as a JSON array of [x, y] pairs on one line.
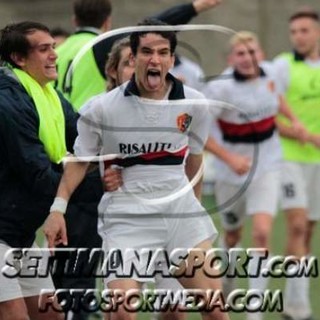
[[238, 163], [296, 130], [55, 227], [193, 165], [314, 139], [204, 5], [112, 179]]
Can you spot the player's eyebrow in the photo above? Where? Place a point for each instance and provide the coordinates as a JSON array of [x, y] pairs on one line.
[[43, 45], [146, 48]]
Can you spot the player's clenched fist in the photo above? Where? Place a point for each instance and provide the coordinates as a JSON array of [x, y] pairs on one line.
[[112, 179], [203, 5]]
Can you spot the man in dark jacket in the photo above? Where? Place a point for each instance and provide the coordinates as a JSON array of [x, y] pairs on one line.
[[37, 128]]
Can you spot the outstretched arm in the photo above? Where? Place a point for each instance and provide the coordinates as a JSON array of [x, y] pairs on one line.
[[204, 5], [54, 226], [87, 144], [183, 13]]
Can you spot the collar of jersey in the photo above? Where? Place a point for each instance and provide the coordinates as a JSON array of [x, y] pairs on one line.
[[298, 56], [91, 30], [176, 92], [240, 77]]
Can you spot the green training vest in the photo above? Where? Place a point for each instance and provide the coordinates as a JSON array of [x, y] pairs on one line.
[[303, 96], [86, 80]]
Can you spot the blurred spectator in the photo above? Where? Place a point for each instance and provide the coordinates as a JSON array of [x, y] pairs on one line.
[[298, 73]]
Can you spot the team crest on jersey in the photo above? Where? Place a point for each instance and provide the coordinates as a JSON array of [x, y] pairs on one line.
[[183, 121], [271, 86], [152, 117]]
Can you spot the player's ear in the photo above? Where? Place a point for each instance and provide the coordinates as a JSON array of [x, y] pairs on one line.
[[112, 72], [132, 59], [18, 59], [106, 26], [229, 59], [74, 21]]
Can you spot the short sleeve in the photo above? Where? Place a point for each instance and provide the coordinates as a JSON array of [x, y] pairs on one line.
[[90, 129], [200, 126], [281, 73], [214, 93]]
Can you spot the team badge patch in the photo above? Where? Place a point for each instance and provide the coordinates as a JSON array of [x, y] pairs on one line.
[[183, 121]]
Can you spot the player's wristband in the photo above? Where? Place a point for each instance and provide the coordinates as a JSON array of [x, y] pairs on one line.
[[59, 204]]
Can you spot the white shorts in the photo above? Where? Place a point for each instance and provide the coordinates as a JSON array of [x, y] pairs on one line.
[[261, 196], [129, 224], [168, 284], [300, 185], [20, 287]]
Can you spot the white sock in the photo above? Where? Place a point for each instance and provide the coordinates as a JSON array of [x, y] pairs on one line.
[[223, 246], [296, 297], [228, 283], [258, 282]]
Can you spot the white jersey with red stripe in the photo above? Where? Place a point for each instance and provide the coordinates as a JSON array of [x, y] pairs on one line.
[[150, 139], [246, 121]]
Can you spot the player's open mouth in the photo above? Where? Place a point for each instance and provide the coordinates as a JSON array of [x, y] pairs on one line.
[[153, 78]]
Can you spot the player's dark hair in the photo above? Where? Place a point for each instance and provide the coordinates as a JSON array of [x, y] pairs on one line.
[[169, 35], [59, 32], [14, 39], [305, 14], [91, 13]]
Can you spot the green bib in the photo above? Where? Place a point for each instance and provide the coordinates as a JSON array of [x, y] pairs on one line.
[[86, 80], [303, 96], [51, 116]]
